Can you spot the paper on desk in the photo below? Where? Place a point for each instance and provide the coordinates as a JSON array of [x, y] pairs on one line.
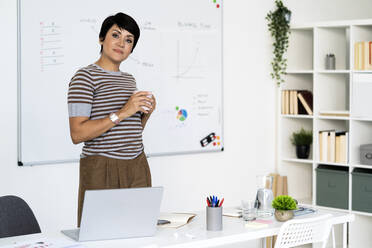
[[232, 213], [176, 219], [44, 243], [255, 224]]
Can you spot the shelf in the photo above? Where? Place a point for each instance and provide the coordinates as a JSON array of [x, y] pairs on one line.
[[360, 119], [361, 166], [342, 90], [328, 117], [333, 71], [297, 116], [361, 213], [297, 160], [333, 209], [364, 71], [299, 71], [334, 164]]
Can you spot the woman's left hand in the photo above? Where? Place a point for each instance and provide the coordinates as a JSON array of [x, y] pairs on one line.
[[153, 105]]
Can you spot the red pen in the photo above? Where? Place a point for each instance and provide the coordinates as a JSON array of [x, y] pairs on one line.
[[208, 202], [221, 202]]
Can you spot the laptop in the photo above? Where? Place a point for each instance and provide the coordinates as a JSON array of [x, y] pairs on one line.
[[118, 213]]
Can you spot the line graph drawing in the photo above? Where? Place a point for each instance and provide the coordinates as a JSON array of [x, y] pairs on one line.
[[191, 69]]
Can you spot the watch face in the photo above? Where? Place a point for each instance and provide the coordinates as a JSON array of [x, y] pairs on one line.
[[114, 118]]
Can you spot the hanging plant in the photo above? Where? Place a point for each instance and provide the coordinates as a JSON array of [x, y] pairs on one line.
[[279, 29]]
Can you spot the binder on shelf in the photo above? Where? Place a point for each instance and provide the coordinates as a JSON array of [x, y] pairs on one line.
[[291, 102], [286, 102], [363, 55], [323, 146], [295, 102], [332, 146], [360, 55], [356, 56], [341, 147], [338, 148], [344, 143]]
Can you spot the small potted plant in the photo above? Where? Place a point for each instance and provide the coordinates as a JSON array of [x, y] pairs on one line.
[[302, 140], [284, 206]]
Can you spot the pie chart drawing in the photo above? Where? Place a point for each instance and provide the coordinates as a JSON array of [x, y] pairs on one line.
[[182, 115]]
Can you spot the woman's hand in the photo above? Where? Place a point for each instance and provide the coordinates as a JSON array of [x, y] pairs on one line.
[[153, 105], [146, 116], [139, 101]]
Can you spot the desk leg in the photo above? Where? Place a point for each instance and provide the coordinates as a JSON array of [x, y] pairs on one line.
[[344, 235]]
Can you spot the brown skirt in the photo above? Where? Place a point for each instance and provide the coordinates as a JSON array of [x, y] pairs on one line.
[[99, 172]]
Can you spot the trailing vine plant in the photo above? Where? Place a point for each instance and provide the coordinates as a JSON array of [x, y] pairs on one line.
[[278, 23]]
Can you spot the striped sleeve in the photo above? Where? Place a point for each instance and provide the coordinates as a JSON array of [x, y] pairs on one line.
[[80, 94]]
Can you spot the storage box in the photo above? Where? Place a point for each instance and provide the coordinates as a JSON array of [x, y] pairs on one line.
[[366, 154], [362, 190], [332, 186], [362, 100]]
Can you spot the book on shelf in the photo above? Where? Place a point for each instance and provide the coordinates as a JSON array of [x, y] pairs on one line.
[[363, 55], [306, 99], [176, 219], [337, 113], [333, 146]]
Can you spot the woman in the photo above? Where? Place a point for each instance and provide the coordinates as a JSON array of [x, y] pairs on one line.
[[108, 114]]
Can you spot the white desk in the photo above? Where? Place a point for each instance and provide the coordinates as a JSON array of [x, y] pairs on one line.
[[194, 234]]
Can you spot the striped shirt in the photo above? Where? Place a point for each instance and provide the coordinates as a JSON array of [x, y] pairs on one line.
[[95, 93]]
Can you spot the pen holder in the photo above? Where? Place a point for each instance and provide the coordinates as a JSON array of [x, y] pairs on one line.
[[214, 218], [330, 62]]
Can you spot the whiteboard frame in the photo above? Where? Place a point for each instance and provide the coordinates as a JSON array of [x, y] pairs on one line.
[[19, 102]]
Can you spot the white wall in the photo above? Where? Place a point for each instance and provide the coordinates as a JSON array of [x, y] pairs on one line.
[[249, 108], [304, 11], [51, 190]]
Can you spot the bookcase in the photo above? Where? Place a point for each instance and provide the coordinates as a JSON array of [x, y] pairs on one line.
[[332, 90]]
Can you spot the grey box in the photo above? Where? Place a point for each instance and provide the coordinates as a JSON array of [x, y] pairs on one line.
[[214, 218], [366, 154], [362, 190], [332, 186]]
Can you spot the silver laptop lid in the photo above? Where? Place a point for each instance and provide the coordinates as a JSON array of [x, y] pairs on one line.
[[120, 213]]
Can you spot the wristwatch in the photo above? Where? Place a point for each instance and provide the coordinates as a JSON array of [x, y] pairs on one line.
[[114, 118]]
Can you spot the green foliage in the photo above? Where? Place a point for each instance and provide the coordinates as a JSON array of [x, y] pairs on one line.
[[278, 23], [303, 137], [284, 202]]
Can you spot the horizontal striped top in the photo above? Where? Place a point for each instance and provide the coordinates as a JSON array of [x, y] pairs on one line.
[[95, 93]]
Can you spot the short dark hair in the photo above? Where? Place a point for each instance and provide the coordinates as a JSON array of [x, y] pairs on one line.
[[124, 22]]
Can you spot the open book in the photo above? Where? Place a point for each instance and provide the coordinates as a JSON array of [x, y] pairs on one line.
[[176, 219]]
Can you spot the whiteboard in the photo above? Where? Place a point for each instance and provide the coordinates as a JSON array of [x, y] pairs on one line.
[[178, 57]]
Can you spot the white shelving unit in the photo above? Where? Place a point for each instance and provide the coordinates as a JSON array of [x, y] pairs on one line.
[[332, 90]]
